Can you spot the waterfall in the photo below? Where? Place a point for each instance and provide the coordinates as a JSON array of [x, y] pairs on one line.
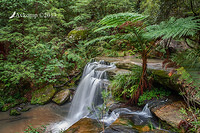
[[94, 80], [88, 92], [88, 95]]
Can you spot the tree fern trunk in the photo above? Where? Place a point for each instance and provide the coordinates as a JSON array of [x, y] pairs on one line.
[[143, 84]]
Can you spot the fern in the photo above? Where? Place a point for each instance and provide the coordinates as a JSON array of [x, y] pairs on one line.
[[174, 28], [99, 39], [114, 20]]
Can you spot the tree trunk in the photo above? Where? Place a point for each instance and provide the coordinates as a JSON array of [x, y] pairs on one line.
[[143, 84], [144, 73]]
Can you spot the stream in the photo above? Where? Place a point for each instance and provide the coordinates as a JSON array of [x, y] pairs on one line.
[[87, 97]]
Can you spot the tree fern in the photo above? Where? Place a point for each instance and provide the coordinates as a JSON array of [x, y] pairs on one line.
[[100, 39], [114, 20], [175, 28]]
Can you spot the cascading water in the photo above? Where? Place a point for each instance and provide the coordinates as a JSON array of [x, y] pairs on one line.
[[88, 93], [88, 96]]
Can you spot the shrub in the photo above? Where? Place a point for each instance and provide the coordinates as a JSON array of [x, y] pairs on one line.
[[152, 94]]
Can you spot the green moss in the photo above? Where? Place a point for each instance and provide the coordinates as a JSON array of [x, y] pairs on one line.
[[162, 77], [78, 34], [43, 95], [14, 112]]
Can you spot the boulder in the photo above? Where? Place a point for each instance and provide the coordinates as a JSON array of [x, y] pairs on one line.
[[79, 33], [170, 113], [85, 125], [123, 124], [44, 95], [161, 77], [62, 96]]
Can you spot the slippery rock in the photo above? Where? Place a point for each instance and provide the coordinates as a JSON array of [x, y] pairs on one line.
[[44, 95], [62, 96], [85, 125]]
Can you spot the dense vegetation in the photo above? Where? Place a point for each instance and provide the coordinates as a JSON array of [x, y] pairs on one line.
[[48, 40]]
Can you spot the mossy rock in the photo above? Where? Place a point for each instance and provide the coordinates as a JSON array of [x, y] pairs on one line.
[[125, 65], [84, 125], [161, 77], [62, 96], [80, 33], [14, 112], [43, 95]]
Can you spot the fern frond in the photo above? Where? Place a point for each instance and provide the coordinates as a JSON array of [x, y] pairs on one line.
[[175, 28], [114, 20], [99, 39]]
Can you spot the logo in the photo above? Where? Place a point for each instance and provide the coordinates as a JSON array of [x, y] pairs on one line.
[[12, 15], [41, 15]]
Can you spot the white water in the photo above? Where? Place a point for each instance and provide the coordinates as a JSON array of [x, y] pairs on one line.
[[146, 113], [88, 95]]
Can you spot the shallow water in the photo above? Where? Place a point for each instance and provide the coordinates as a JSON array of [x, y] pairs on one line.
[[37, 116]]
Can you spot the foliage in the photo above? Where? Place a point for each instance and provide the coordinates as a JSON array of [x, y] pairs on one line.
[[151, 94], [175, 28], [101, 111], [31, 129], [93, 10], [189, 59], [190, 92], [160, 10], [125, 85]]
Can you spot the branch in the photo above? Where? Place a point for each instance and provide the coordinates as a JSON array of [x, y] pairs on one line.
[[188, 44]]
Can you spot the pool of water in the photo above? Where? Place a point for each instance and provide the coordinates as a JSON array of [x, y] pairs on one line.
[[36, 116]]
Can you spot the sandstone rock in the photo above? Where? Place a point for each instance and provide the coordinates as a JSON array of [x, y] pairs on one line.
[[85, 125], [62, 96], [170, 113], [121, 125], [43, 95]]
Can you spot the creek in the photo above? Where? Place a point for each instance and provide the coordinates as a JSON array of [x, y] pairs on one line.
[[87, 97]]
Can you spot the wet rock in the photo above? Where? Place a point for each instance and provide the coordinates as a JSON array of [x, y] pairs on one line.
[[120, 129], [14, 112], [170, 113], [158, 131], [142, 128], [43, 95], [62, 96], [85, 125], [121, 125]]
